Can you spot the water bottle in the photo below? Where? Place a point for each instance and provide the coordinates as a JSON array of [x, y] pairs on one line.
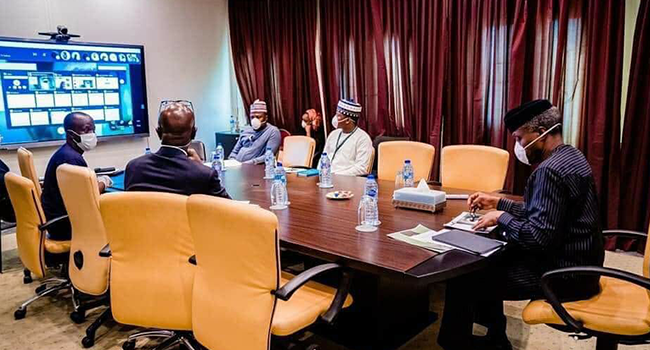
[[371, 189], [222, 156], [367, 214], [147, 150], [279, 170], [279, 197], [217, 163], [232, 124], [269, 164], [325, 172], [407, 172]]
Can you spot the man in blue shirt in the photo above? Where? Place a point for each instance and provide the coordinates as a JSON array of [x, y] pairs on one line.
[[175, 168], [80, 137], [254, 140]]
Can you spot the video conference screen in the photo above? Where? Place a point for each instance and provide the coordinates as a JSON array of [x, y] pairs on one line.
[[41, 82]]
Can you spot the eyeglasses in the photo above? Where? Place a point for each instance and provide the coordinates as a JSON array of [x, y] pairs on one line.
[[168, 103]]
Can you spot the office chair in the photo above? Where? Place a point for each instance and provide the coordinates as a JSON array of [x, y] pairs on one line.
[[393, 153], [240, 298], [33, 244], [150, 280], [199, 147], [473, 167], [620, 313], [298, 151], [88, 272], [28, 170], [375, 145], [283, 135]]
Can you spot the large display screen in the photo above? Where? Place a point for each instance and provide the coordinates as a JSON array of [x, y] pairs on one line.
[[42, 81]]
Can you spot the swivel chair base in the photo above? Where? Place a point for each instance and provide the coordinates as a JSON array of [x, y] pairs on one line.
[[172, 338], [47, 287]]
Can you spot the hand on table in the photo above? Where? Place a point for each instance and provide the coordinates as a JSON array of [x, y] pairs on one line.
[[488, 220], [482, 201]]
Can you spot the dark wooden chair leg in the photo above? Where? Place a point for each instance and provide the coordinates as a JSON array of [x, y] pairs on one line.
[[606, 343]]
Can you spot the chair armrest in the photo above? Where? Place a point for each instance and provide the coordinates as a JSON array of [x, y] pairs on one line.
[[192, 260], [340, 297], [584, 270], [625, 233], [48, 224], [286, 291], [105, 252]]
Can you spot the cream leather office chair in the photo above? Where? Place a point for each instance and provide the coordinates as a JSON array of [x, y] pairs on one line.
[[88, 271], [31, 237], [473, 167], [28, 170], [392, 155], [620, 313], [238, 300], [150, 280], [298, 151]]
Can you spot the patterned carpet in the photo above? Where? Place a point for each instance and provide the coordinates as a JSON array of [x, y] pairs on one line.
[[47, 325]]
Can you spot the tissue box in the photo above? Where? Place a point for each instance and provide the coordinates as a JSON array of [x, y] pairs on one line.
[[413, 198]]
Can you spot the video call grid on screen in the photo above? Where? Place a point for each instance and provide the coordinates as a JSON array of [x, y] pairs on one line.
[[41, 83]]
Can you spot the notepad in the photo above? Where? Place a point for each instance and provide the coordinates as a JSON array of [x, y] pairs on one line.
[[468, 241], [308, 173]]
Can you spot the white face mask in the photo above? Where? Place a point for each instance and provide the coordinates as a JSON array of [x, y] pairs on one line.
[[256, 123], [520, 151], [335, 122], [88, 141]]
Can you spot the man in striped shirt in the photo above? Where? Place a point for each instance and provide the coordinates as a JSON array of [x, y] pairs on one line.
[[557, 225]]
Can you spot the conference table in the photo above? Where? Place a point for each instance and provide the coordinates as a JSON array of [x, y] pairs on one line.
[[391, 278]]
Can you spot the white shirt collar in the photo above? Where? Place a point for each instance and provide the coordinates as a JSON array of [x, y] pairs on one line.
[[175, 147]]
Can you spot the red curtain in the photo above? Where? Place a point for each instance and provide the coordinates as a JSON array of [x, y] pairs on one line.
[[635, 175], [273, 44], [599, 136]]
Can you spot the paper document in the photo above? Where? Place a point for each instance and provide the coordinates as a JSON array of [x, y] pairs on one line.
[[231, 163], [422, 236], [464, 222]]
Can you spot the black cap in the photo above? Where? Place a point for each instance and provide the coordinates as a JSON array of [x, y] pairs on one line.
[[519, 116]]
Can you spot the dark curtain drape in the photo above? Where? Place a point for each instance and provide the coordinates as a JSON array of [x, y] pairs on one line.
[[353, 65], [635, 174], [599, 137], [273, 44]]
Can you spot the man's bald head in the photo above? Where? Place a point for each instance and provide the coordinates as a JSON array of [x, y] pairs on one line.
[[176, 126]]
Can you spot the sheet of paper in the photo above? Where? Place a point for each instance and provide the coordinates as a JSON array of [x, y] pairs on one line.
[[464, 223], [231, 163]]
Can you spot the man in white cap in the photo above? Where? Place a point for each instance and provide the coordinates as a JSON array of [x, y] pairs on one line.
[[254, 140], [348, 146]]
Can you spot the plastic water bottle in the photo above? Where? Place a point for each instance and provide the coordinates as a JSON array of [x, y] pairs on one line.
[[371, 189], [147, 150], [279, 196], [269, 164], [232, 123], [220, 151], [407, 172], [325, 172], [368, 215], [217, 163], [279, 170]]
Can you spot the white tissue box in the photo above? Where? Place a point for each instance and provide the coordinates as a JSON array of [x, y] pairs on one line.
[[414, 198]]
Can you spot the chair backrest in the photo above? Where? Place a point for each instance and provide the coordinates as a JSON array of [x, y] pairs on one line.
[[375, 145], [29, 216], [473, 167], [151, 279], [298, 151], [88, 271], [393, 153], [237, 268], [284, 133], [199, 148], [28, 170]]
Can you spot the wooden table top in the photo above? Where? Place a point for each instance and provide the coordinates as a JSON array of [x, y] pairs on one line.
[[324, 228]]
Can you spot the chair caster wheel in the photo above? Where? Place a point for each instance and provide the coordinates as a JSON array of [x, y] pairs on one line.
[[78, 317], [27, 280], [129, 345], [20, 314], [87, 342], [40, 288]]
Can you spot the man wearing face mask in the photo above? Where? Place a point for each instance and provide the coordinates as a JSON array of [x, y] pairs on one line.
[[253, 141], [80, 137], [556, 226], [175, 168], [348, 146]]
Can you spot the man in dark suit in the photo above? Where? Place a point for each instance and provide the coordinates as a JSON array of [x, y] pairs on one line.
[[175, 168]]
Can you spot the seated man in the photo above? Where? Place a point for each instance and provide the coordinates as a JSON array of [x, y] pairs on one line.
[[254, 139], [6, 210], [348, 147], [175, 168], [80, 137], [557, 225]]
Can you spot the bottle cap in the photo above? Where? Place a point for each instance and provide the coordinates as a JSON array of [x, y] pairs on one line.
[[324, 153], [279, 164], [371, 177], [408, 161]]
